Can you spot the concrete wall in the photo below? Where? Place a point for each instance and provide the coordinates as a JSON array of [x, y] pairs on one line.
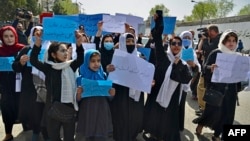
[[239, 23]]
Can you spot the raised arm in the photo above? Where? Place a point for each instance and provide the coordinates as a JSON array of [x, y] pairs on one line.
[[21, 60]]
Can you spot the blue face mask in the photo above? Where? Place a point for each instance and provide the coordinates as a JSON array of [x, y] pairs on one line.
[[33, 38], [186, 43], [108, 45]]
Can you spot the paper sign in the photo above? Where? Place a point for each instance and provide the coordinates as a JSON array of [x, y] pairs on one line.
[[59, 29], [169, 24], [145, 52], [40, 56], [132, 71], [114, 23], [90, 23], [132, 20], [95, 87], [6, 63], [231, 68], [187, 54]]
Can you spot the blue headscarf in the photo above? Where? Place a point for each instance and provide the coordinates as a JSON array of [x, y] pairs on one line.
[[86, 72]]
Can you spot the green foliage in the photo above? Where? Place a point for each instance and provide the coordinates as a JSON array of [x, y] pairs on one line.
[[65, 7], [8, 8], [162, 7], [245, 10], [224, 7], [210, 9]]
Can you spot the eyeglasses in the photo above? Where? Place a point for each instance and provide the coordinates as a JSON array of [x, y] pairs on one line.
[[176, 43]]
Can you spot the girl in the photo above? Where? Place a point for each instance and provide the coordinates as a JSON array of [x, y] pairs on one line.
[[94, 119], [33, 95], [59, 81], [9, 97], [216, 117], [127, 105], [161, 116]]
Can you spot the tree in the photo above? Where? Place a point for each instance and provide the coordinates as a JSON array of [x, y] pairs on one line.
[[8, 8], [245, 10], [162, 7], [32, 6], [224, 7], [210, 9], [65, 7], [201, 11]]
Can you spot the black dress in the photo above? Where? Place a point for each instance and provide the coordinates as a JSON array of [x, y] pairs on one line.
[[28, 92], [163, 123], [127, 114]]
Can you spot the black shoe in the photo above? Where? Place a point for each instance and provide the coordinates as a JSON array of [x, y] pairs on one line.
[[196, 120], [8, 139]]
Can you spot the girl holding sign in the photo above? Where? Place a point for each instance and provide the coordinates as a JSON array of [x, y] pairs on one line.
[[9, 97], [94, 119], [213, 116], [33, 94], [60, 85]]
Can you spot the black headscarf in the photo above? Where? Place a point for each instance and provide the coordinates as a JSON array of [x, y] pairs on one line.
[[106, 54]]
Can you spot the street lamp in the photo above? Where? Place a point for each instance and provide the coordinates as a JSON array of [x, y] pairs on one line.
[[202, 12]]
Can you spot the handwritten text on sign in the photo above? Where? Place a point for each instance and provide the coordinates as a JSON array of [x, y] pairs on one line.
[[231, 68], [132, 71], [59, 29]]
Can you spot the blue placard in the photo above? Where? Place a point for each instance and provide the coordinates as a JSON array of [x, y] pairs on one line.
[[145, 52], [6, 63], [40, 56], [70, 17], [90, 23], [169, 24], [95, 87], [187, 54], [59, 29]]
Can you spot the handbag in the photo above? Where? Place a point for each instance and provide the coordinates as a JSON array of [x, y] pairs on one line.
[[62, 112], [213, 97]]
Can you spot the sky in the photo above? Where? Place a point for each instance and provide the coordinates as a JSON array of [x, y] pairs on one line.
[[141, 8]]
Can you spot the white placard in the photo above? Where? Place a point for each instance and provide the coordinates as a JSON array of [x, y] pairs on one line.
[[132, 71], [114, 23], [231, 68]]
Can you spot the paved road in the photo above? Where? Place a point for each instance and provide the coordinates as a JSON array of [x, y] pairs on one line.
[[242, 117]]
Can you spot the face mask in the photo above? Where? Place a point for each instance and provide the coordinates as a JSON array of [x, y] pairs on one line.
[[186, 43], [108, 45], [130, 48], [33, 39]]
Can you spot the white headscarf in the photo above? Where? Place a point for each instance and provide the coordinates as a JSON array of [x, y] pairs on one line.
[[222, 47], [168, 86], [134, 94], [45, 45], [189, 34]]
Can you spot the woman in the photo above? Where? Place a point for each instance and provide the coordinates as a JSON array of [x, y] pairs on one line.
[[161, 116], [216, 117], [60, 83], [9, 98], [127, 105], [194, 68], [33, 95]]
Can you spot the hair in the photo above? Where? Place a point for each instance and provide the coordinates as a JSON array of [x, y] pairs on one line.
[[53, 48], [174, 37], [104, 37], [230, 34], [213, 27], [94, 54]]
